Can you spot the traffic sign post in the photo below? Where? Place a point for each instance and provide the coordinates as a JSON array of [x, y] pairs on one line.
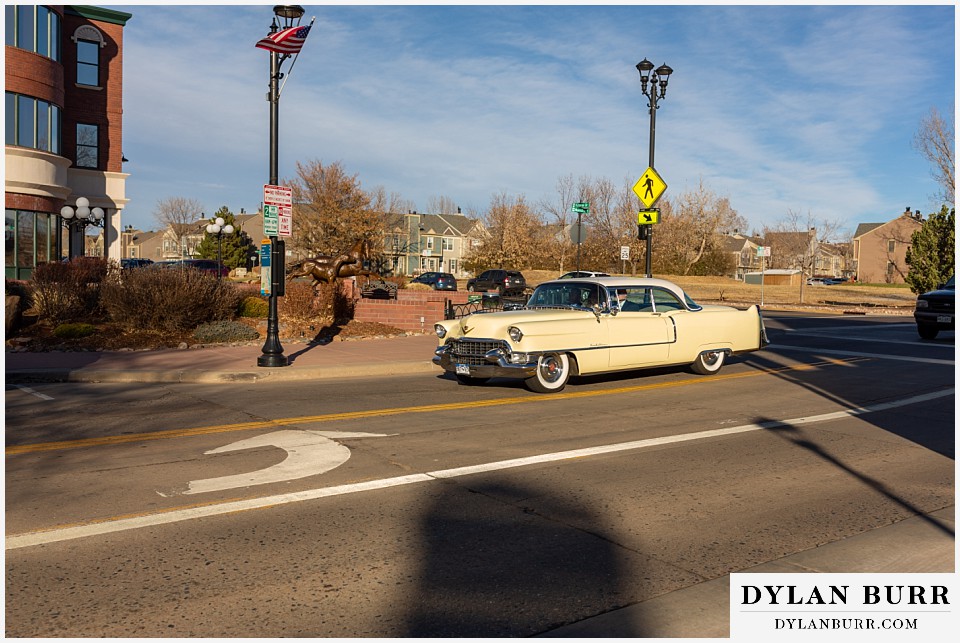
[[581, 208], [648, 188], [277, 200]]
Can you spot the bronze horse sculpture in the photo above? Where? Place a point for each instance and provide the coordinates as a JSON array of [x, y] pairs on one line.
[[327, 268]]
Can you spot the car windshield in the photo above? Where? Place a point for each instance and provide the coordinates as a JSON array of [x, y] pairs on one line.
[[949, 285], [572, 294]]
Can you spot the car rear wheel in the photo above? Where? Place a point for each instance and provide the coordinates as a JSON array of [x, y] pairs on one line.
[[553, 371], [470, 287], [709, 362], [927, 331]]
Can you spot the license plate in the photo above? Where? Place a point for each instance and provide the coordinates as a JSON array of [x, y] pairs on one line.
[[944, 319], [463, 369]]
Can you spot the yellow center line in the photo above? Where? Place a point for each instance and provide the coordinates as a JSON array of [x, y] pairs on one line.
[[426, 408]]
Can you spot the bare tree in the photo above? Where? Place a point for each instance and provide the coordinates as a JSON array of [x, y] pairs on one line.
[[935, 141], [441, 205], [332, 211], [691, 227], [559, 243], [514, 237], [179, 215]]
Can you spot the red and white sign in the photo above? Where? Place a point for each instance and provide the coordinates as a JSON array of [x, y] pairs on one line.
[[282, 197], [277, 195]]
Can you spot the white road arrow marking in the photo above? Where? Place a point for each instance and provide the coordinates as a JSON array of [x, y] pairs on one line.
[[309, 453]]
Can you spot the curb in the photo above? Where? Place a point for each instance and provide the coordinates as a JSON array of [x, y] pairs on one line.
[[182, 376]]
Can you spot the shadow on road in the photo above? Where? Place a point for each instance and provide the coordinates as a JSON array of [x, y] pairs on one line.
[[501, 559]]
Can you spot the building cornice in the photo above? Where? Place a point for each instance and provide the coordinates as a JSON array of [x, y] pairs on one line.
[[99, 13]]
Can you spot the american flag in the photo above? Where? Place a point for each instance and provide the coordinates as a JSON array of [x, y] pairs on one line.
[[288, 41]]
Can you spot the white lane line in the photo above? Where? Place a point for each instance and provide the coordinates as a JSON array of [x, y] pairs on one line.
[[18, 541], [828, 351], [27, 389], [846, 329], [872, 340]]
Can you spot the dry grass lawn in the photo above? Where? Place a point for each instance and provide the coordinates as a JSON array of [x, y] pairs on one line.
[[860, 298]]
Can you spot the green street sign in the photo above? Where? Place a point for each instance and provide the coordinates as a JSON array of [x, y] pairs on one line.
[[581, 208]]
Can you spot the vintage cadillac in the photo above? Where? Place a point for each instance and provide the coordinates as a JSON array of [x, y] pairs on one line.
[[595, 325]]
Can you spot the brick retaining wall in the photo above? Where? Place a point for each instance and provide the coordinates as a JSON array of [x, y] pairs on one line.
[[406, 311]]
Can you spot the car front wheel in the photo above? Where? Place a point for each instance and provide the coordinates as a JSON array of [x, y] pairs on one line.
[[927, 331], [708, 362], [553, 371]]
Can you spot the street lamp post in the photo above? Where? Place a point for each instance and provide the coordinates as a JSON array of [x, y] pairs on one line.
[[77, 220], [272, 348], [219, 228], [656, 91]]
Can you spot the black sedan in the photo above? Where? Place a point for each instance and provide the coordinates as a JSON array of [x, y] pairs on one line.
[[437, 280], [934, 311]]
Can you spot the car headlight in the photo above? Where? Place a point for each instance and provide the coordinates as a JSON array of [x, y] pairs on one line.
[[440, 330], [515, 333], [922, 303]]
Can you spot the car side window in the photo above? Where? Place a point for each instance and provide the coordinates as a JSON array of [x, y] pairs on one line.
[[665, 301]]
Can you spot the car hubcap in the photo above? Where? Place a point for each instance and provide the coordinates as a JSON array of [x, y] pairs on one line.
[[550, 369]]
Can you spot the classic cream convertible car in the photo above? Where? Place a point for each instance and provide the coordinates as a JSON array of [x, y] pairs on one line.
[[586, 326]]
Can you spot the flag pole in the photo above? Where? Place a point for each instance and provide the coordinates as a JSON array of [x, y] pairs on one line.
[[290, 71]]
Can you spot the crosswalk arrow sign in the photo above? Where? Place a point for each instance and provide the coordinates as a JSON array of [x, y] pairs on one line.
[[648, 217]]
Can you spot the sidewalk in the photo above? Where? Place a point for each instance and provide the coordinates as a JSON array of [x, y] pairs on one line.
[[352, 358]]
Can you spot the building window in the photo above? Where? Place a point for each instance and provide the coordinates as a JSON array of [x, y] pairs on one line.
[[33, 28], [891, 245], [430, 243], [88, 63], [31, 239], [89, 42], [87, 145], [447, 243], [32, 123]]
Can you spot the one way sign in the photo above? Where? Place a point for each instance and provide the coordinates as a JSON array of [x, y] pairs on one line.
[[648, 217]]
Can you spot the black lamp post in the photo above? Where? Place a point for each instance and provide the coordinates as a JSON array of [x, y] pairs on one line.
[[657, 90], [272, 348], [219, 228], [77, 218]]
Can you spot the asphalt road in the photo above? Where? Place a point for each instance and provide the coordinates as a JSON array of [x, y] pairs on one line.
[[414, 506]]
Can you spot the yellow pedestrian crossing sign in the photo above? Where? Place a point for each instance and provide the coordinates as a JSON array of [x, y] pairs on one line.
[[649, 187]]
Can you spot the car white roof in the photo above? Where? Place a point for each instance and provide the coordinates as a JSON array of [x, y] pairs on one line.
[[625, 282]]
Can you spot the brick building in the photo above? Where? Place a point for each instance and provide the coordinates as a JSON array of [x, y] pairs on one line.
[[64, 130]]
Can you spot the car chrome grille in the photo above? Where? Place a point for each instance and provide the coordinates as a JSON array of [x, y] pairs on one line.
[[472, 351]]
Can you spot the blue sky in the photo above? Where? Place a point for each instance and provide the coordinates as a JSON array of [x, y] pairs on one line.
[[801, 108]]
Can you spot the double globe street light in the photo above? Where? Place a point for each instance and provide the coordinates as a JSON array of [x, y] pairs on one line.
[[219, 227], [77, 220]]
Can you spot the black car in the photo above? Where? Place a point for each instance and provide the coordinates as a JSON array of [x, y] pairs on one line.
[[437, 280], [134, 262], [934, 311], [506, 282]]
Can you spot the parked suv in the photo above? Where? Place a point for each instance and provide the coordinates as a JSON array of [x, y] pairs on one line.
[[504, 281], [934, 311], [437, 280]]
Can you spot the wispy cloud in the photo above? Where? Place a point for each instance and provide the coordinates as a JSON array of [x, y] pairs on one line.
[[803, 108]]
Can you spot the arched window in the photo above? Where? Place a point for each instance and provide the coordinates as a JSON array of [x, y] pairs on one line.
[[89, 42]]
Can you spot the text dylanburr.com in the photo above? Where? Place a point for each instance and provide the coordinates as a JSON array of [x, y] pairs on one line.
[[843, 607]]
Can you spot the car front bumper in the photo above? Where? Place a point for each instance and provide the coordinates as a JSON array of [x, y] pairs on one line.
[[495, 360], [943, 321]]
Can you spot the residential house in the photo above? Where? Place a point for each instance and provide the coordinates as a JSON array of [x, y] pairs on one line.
[[416, 243], [63, 112], [793, 250], [880, 249], [743, 250]]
